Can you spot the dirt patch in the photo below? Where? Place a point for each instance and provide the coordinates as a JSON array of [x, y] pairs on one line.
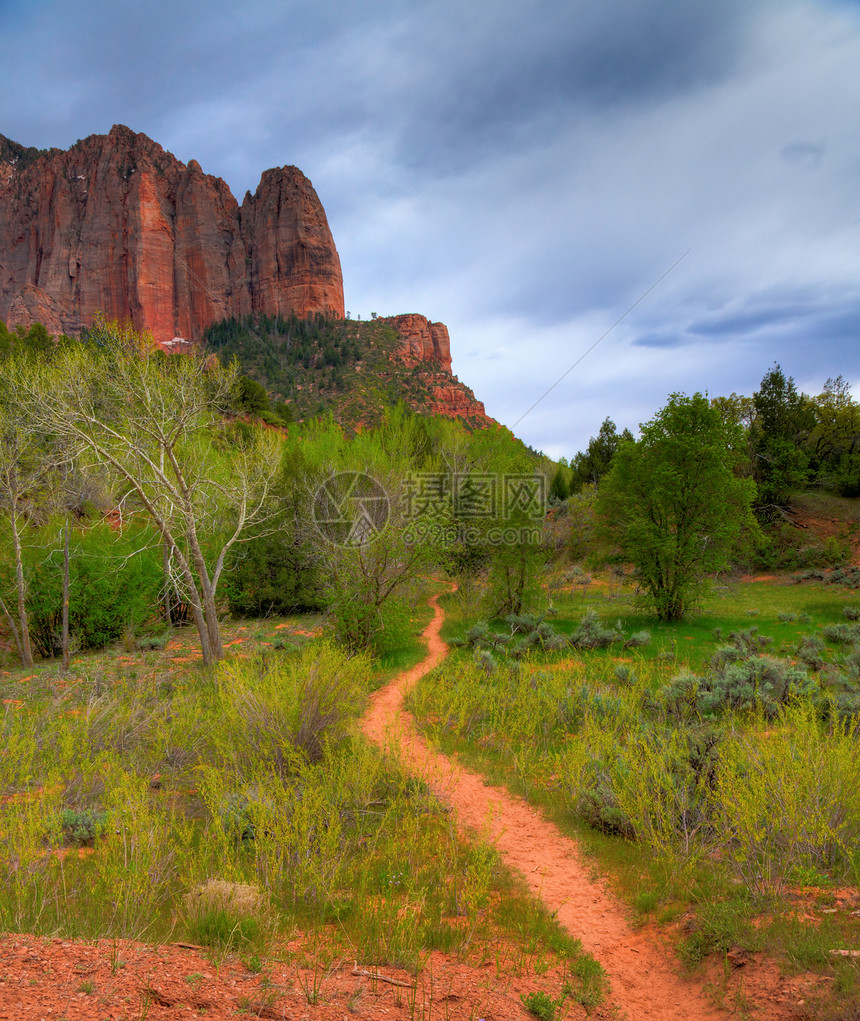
[[824, 528], [125, 981]]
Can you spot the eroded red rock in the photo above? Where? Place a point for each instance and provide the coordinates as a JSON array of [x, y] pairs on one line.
[[118, 225]]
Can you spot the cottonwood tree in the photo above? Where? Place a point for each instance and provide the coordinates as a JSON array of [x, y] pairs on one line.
[[153, 423], [673, 503]]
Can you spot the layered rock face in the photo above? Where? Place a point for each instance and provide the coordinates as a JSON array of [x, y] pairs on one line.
[[428, 344], [118, 225], [423, 341], [454, 399]]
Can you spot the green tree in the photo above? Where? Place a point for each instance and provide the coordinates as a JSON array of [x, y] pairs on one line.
[[834, 443], [371, 562], [114, 580], [511, 532], [280, 571], [782, 422], [673, 504], [252, 396], [559, 487], [590, 465]]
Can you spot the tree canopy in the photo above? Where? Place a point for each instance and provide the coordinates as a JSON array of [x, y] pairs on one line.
[[673, 504]]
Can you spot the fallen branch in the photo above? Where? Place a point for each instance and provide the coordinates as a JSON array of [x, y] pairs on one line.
[[363, 973]]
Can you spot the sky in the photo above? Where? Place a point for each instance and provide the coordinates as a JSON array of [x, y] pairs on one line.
[[610, 200]]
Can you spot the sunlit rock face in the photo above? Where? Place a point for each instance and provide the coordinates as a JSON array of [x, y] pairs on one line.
[[118, 225]]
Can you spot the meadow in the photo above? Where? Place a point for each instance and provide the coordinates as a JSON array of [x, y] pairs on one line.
[[237, 808], [708, 766]]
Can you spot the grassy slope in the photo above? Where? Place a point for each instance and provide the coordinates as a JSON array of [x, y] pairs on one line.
[[186, 762]]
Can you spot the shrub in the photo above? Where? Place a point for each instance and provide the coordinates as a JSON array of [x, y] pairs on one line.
[[115, 578], [744, 683], [624, 675], [851, 665], [360, 626], [478, 634], [151, 642], [543, 636], [523, 623], [591, 634], [760, 682], [588, 769], [848, 577], [748, 642], [788, 801], [811, 575], [542, 1005], [842, 634], [276, 711], [717, 928], [484, 659], [811, 652], [82, 825]]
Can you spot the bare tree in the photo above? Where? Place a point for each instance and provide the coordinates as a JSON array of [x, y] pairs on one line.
[[154, 424]]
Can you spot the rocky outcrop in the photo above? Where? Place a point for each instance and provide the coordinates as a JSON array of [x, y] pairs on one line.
[[118, 225], [425, 348], [423, 341], [447, 396]]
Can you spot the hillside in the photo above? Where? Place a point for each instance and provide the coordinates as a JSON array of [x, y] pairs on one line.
[[350, 368]]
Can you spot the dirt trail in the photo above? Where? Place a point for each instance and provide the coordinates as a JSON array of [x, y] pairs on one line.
[[644, 977]]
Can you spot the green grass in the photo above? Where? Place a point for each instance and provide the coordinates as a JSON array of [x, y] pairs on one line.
[[536, 725], [732, 606], [409, 654], [153, 776]]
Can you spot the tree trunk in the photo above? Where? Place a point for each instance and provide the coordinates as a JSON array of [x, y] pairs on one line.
[[211, 614], [166, 606], [66, 650], [207, 590], [11, 621], [21, 586], [199, 618]]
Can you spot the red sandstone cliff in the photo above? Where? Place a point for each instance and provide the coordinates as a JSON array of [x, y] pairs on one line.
[[118, 225], [428, 344], [423, 341]]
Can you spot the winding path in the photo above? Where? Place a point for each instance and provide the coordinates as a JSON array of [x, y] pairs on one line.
[[645, 982]]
